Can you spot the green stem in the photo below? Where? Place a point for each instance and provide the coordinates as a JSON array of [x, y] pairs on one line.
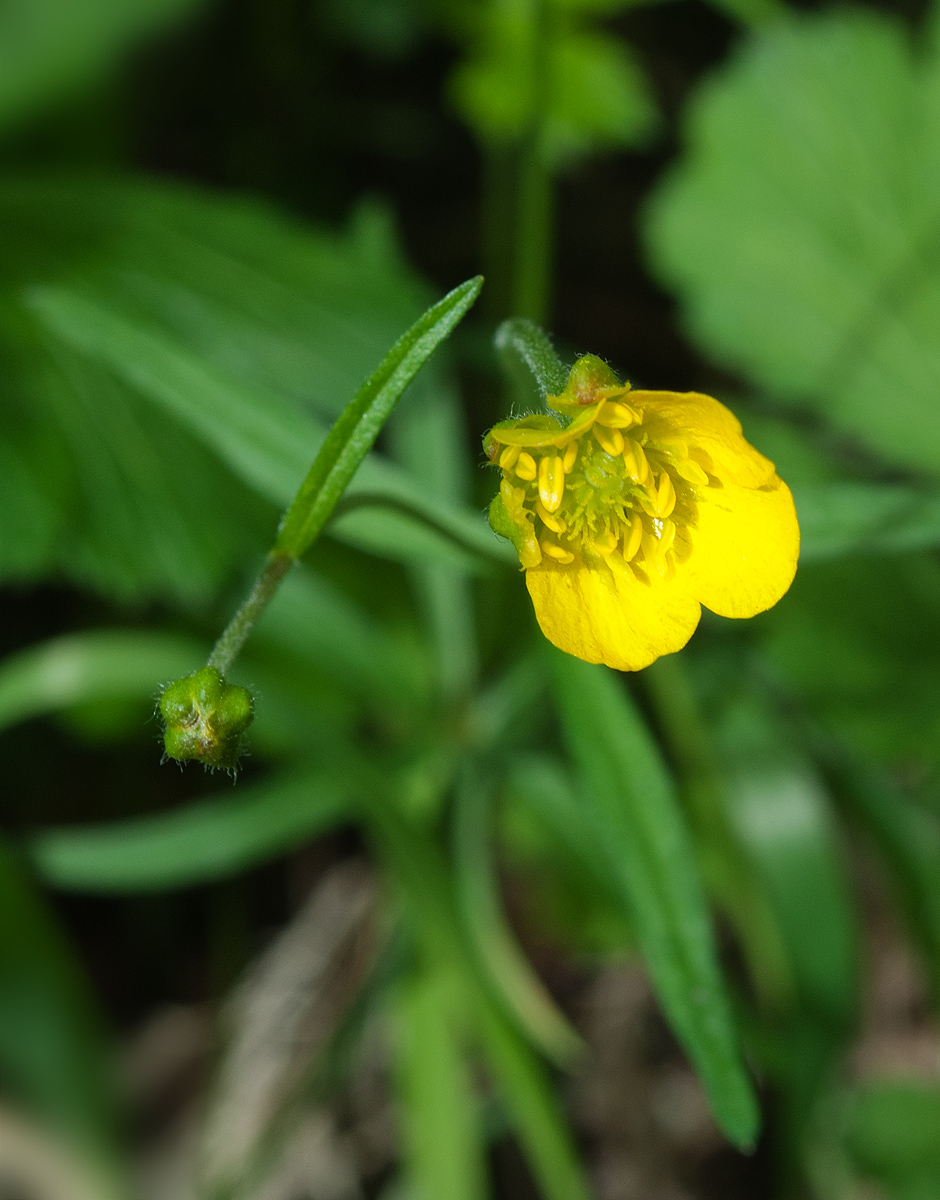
[[534, 199], [235, 634]]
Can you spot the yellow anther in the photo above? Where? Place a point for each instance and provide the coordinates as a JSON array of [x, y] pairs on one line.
[[605, 543], [617, 416], [665, 500], [556, 552], [551, 481], [509, 457], [571, 457], [525, 466], [633, 538], [637, 467], [690, 470], [667, 537], [550, 520], [609, 440], [653, 557]]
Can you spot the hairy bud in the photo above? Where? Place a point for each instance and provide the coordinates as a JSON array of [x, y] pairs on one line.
[[205, 718]]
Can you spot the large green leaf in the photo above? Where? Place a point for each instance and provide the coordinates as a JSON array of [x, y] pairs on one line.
[[48, 48], [634, 800], [213, 311], [800, 227]]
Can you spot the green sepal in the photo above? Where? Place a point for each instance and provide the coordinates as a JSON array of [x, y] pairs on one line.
[[587, 377], [205, 718], [504, 525]]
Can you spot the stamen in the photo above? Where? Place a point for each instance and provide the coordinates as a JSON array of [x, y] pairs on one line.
[[665, 500], [571, 456], [556, 552], [617, 416], [605, 543], [525, 467], [637, 466], [690, 470], [667, 537], [509, 457], [551, 481], [609, 440], [555, 523], [633, 539]]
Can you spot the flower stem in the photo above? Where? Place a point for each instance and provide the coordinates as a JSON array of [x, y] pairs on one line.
[[235, 634]]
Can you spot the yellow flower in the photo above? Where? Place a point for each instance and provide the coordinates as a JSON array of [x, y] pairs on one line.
[[631, 509]]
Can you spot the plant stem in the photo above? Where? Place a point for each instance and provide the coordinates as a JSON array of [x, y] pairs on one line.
[[534, 195], [235, 634]]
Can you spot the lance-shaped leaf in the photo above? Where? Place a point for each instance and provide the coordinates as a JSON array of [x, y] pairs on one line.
[[656, 872]]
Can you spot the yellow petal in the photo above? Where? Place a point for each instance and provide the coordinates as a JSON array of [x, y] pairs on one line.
[[706, 423], [606, 616], [745, 544]]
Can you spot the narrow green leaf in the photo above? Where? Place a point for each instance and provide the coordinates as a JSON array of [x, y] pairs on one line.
[[207, 840], [635, 802], [264, 438], [504, 965], [90, 666], [530, 1098], [358, 426], [423, 877], [445, 1151]]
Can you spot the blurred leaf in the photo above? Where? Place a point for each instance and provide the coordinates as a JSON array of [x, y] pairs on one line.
[[530, 62], [800, 227], [206, 840], [271, 319], [781, 815], [444, 1144], [422, 875], [842, 519], [907, 835], [505, 966], [893, 1133], [635, 804], [858, 641], [52, 1048], [267, 442], [76, 668], [50, 47], [358, 426]]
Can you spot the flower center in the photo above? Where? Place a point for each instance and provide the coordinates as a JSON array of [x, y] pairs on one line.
[[615, 493]]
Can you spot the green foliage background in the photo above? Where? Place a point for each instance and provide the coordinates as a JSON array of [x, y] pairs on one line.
[[176, 340]]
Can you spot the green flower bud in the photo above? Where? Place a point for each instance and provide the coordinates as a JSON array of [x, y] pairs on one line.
[[205, 718]]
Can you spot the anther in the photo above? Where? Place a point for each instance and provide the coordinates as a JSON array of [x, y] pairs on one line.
[[617, 416], [665, 500], [571, 457], [525, 466], [609, 440], [509, 457], [551, 520], [667, 537], [637, 467], [690, 470], [551, 481], [605, 543], [633, 539], [562, 556]]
